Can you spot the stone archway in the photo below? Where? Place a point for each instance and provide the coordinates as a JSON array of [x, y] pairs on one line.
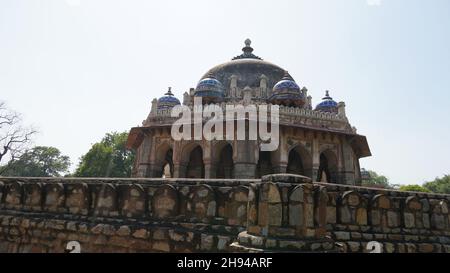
[[328, 168], [264, 166], [299, 161], [164, 166], [195, 167], [225, 164]]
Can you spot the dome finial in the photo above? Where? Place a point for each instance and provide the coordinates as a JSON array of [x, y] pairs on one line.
[[169, 92], [247, 51], [327, 95]]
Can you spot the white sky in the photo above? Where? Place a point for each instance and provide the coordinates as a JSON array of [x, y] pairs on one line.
[[77, 69]]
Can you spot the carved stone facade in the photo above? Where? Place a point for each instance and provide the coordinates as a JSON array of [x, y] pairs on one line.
[[319, 143]]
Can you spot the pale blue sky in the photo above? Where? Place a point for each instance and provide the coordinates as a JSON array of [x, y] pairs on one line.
[[77, 69]]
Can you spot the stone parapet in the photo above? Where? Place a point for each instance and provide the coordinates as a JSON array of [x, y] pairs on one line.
[[275, 213]]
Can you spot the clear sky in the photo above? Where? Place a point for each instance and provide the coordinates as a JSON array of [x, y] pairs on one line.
[[77, 69]]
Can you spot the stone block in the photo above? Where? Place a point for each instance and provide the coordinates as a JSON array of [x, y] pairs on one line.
[[141, 233], [361, 216], [392, 218], [342, 235], [354, 246], [331, 215], [426, 248], [162, 246], [206, 242], [284, 244], [123, 231]]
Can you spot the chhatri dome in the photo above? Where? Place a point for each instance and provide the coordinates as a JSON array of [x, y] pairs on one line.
[[210, 89], [287, 92], [319, 142], [167, 101], [327, 104]]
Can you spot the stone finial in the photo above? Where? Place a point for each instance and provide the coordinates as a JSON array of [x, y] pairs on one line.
[[341, 109], [304, 91], [154, 106], [327, 95], [191, 91], [263, 81], [247, 95], [247, 51], [186, 98], [233, 81], [309, 102]]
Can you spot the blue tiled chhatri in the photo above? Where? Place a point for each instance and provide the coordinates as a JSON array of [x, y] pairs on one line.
[[327, 104], [286, 84], [167, 101], [210, 89], [287, 92]]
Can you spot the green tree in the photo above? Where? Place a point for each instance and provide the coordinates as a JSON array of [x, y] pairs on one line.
[[376, 180], [416, 188], [40, 161], [107, 158], [439, 185]]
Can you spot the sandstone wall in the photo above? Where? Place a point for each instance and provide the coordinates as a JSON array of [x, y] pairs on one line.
[[112, 215], [277, 213]]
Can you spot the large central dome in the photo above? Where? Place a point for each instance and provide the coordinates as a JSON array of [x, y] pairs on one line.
[[248, 69]]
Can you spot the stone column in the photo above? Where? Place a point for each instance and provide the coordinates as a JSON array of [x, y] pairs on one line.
[[315, 159], [245, 162], [209, 173], [179, 170], [348, 173]]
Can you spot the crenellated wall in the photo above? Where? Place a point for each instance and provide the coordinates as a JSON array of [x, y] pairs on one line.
[[276, 213]]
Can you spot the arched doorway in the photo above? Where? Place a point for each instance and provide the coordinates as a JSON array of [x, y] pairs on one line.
[[168, 165], [299, 161], [195, 167], [164, 165], [225, 166], [264, 166], [295, 164], [328, 167]]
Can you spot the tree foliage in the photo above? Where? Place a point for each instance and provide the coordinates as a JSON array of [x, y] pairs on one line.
[[107, 158], [416, 188], [377, 181], [40, 161], [439, 185]]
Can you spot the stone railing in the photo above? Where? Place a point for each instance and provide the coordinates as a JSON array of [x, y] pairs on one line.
[[276, 213]]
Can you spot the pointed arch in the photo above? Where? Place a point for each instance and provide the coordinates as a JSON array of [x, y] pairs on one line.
[[328, 168], [264, 166], [164, 164], [195, 167], [299, 161], [225, 164]]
